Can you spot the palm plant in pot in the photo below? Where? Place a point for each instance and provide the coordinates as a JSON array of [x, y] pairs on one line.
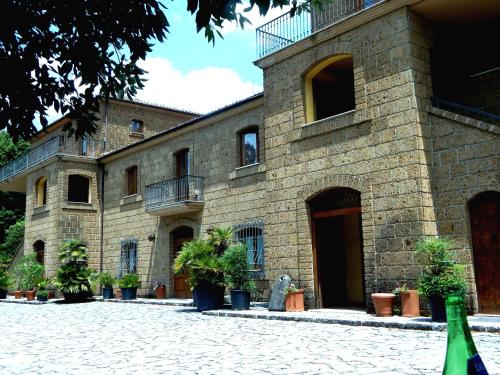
[[107, 281], [237, 276], [128, 285], [201, 261], [441, 275], [74, 277]]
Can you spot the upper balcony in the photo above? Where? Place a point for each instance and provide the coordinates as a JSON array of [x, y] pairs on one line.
[[58, 145], [175, 196], [286, 30]]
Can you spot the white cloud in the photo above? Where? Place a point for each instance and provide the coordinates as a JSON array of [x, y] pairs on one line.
[[200, 90]]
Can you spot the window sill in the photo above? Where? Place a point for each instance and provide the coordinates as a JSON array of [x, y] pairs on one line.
[[136, 135], [247, 170], [330, 124], [130, 199], [78, 206], [40, 209]]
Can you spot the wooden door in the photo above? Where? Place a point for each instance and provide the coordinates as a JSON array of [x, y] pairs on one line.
[[485, 229], [181, 287]]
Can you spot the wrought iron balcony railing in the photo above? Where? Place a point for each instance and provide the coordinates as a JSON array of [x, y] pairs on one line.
[[286, 30], [164, 194], [58, 145]]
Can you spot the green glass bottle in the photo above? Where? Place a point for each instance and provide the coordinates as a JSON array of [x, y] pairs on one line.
[[461, 353]]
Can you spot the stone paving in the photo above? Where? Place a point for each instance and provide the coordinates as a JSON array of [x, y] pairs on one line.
[[109, 338]]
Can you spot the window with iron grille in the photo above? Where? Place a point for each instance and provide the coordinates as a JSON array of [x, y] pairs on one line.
[[128, 258], [251, 234]]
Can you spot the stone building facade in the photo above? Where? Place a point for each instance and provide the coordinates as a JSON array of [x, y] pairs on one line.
[[359, 147]]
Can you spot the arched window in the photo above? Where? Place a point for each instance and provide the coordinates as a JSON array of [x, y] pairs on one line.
[[132, 180], [249, 146], [41, 192], [39, 249], [78, 189], [329, 88], [251, 234]]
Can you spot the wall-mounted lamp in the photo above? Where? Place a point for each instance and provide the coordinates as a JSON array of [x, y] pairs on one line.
[[151, 237], [210, 230]]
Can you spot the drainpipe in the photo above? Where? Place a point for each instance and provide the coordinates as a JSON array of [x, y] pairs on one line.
[[101, 224], [106, 124]]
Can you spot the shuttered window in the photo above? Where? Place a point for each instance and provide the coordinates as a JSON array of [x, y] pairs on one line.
[[251, 234], [132, 180], [128, 258]]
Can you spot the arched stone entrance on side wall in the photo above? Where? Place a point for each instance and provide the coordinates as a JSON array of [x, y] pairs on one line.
[[39, 249], [356, 223], [484, 210]]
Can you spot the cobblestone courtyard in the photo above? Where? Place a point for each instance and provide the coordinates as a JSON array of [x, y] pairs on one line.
[[106, 338]]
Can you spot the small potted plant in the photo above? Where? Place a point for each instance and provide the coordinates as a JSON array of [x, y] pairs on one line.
[[160, 289], [441, 274], [237, 276], [107, 280], [5, 282], [294, 299], [42, 294], [128, 285], [29, 272], [410, 303], [383, 303]]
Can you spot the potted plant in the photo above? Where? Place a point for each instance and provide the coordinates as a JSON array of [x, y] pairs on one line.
[[200, 260], [160, 289], [107, 280], [74, 277], [383, 303], [294, 299], [237, 276], [5, 282], [29, 273], [128, 285], [441, 274], [410, 303], [42, 294]]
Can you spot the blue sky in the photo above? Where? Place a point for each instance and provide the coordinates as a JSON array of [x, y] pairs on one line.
[[187, 72]]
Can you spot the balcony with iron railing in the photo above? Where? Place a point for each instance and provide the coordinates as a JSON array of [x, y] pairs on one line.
[[286, 30], [171, 197], [58, 145]]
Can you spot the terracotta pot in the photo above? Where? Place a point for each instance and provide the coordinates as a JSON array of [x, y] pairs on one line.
[[118, 293], [161, 292], [294, 301], [18, 294], [410, 303], [30, 295], [383, 303]]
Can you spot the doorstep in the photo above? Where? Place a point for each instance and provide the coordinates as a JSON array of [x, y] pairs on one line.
[[477, 323], [24, 301]]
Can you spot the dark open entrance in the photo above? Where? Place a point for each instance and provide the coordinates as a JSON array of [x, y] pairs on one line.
[[337, 248], [179, 236], [39, 249]]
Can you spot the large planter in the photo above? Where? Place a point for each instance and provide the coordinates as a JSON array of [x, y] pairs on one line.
[[240, 299], [209, 297], [129, 293], [410, 303], [438, 309], [41, 298], [294, 301], [107, 293], [161, 292], [76, 297], [383, 303], [30, 295], [3, 294]]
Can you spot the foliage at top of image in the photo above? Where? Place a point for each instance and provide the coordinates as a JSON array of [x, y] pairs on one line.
[[66, 54]]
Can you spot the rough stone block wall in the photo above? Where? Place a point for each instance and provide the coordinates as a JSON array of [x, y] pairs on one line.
[[466, 162]]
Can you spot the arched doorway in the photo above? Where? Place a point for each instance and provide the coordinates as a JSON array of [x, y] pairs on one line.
[[484, 212], [39, 249], [179, 236], [337, 248]]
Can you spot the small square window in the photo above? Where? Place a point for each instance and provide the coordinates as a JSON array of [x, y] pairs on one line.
[[136, 126]]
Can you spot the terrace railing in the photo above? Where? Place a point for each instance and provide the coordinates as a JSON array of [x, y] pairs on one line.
[[286, 30], [171, 192], [58, 145], [464, 110]]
